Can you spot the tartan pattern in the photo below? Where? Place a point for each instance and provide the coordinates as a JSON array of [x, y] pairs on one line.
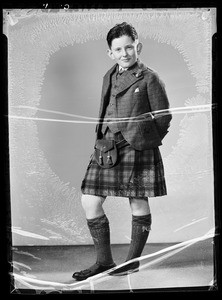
[[137, 174]]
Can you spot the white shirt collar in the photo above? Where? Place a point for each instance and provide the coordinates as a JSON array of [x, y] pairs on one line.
[[121, 69]]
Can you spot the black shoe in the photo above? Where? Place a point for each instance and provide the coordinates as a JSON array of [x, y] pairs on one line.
[[125, 270], [95, 269]]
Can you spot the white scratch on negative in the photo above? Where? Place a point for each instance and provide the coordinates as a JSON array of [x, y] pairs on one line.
[[28, 234], [196, 221]]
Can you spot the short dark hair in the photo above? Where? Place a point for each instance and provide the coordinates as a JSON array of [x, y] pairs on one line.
[[121, 29]]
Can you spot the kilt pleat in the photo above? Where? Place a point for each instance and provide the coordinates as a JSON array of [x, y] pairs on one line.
[[137, 174]]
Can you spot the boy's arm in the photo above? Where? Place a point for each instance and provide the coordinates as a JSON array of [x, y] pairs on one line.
[[158, 101], [99, 125]]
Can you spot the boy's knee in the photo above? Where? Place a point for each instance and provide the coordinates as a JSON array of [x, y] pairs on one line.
[[86, 202], [139, 206], [91, 203]]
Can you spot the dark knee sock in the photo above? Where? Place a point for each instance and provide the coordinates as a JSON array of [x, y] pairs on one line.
[[141, 225], [99, 229]]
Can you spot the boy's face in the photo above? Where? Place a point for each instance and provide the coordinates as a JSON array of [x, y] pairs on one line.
[[125, 51]]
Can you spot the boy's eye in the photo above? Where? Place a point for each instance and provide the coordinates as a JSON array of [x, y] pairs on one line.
[[129, 47]]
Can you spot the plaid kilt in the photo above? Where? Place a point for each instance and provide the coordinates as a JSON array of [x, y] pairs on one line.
[[137, 174]]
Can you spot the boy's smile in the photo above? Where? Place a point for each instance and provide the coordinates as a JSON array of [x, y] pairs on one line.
[[125, 51]]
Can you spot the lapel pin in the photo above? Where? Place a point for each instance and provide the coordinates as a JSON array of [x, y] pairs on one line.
[[138, 73]]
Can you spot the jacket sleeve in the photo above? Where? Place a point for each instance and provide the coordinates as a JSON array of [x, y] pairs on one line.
[[158, 101], [100, 116]]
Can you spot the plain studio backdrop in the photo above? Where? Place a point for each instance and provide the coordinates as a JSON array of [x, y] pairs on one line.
[[56, 64]]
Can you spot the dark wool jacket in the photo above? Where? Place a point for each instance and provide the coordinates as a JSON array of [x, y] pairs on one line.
[[141, 92]]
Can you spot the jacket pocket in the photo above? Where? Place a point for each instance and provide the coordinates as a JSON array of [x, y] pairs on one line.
[[138, 95]]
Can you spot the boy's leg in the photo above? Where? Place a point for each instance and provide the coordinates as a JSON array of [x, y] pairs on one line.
[[98, 225], [99, 228], [141, 225]]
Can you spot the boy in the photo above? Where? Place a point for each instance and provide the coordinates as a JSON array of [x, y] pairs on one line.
[[131, 93]]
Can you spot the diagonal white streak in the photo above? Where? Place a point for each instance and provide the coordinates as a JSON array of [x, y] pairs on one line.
[[175, 248], [29, 234], [175, 109], [167, 255], [139, 118], [54, 112], [187, 225]]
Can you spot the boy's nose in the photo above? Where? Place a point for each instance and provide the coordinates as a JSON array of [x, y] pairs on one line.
[[124, 53]]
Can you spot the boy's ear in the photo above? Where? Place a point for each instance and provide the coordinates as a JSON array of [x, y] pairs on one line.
[[110, 53], [139, 47]]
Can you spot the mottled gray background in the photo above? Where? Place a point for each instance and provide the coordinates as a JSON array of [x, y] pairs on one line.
[[49, 158]]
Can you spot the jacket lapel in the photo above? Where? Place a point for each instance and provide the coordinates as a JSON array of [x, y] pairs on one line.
[[131, 76], [107, 81], [104, 98]]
